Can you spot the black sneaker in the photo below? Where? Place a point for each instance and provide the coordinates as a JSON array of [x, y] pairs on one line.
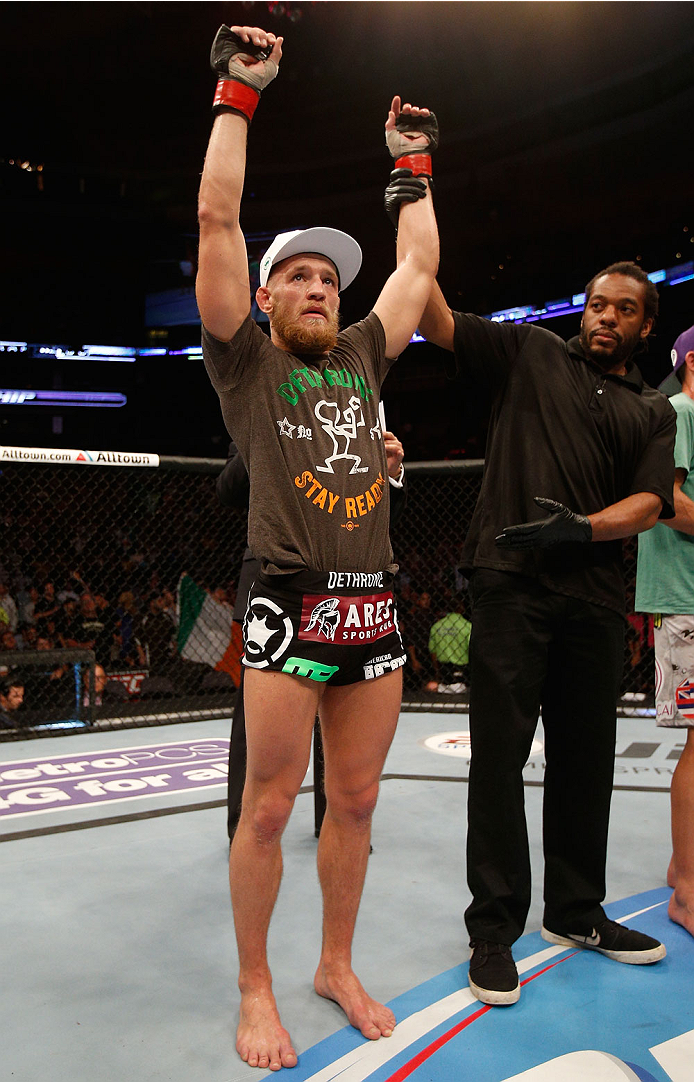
[[615, 941], [493, 977]]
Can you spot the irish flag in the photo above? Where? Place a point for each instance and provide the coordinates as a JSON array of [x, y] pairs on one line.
[[206, 632]]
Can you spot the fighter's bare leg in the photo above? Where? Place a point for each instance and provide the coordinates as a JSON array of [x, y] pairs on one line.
[[280, 712], [681, 907], [358, 723]]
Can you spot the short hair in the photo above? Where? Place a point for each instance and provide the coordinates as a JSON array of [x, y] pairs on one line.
[[630, 270], [10, 681]]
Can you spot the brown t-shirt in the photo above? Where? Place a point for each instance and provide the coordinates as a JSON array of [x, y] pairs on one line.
[[307, 429]]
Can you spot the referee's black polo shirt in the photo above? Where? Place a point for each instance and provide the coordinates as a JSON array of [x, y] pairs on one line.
[[562, 428]]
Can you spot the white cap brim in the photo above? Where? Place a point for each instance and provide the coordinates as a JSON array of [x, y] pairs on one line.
[[338, 247]]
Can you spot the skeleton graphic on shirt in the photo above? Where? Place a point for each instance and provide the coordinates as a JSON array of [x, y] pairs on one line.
[[341, 426]]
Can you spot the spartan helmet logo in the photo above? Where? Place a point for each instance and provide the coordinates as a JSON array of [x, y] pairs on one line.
[[327, 617], [267, 632]]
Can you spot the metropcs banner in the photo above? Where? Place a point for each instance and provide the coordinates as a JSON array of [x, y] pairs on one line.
[[62, 782], [71, 456]]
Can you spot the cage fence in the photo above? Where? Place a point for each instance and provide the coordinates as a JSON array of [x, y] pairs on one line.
[[105, 571]]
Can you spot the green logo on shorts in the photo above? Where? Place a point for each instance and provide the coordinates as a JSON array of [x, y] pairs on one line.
[[301, 666]]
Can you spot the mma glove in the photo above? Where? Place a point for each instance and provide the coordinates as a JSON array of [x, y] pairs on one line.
[[562, 525], [417, 158], [239, 88]]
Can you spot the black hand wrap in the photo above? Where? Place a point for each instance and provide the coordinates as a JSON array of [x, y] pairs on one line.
[[562, 525], [403, 187]]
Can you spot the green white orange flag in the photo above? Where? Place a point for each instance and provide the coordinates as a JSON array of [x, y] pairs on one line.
[[206, 631]]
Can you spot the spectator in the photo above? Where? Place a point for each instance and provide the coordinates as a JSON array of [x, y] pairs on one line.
[[11, 698], [127, 634], [46, 610], [27, 607], [67, 623], [26, 638], [449, 646], [100, 682], [8, 609], [158, 633], [94, 631]]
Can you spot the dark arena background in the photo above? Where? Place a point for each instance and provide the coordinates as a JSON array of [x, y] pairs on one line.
[[565, 146]]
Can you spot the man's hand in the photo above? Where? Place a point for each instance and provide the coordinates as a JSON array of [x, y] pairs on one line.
[[244, 59], [410, 129], [394, 453], [246, 54], [562, 525]]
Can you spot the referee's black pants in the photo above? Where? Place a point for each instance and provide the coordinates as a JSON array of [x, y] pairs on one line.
[[533, 648]]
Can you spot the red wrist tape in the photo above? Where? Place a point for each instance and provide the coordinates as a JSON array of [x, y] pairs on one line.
[[236, 96], [420, 164]]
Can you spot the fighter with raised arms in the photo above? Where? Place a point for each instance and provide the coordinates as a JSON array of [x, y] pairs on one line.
[[302, 530]]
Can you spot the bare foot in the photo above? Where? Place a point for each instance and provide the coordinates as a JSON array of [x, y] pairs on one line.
[[261, 1039], [681, 913], [373, 1019], [671, 874]]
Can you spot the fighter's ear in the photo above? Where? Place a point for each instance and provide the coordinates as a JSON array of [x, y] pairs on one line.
[[263, 299]]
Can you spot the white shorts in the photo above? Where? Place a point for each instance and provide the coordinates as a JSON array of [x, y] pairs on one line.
[[674, 670]]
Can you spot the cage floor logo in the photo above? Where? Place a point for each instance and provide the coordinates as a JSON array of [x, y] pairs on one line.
[[581, 1018], [457, 744]]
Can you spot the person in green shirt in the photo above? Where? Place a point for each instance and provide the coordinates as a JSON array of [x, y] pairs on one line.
[[449, 646]]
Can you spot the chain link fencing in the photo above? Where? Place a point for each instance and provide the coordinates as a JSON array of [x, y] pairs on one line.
[[136, 569]]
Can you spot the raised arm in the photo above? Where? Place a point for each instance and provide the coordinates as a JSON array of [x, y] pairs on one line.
[[222, 285], [436, 323], [402, 299]]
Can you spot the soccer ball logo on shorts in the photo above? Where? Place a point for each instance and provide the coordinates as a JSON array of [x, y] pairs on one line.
[[267, 632], [326, 616]]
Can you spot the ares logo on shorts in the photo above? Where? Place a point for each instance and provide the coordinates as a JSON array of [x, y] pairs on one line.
[[267, 632], [346, 621]]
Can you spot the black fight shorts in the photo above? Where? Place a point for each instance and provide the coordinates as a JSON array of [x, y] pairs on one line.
[[332, 626]]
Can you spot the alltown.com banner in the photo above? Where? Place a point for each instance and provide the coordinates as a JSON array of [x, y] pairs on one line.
[[72, 456]]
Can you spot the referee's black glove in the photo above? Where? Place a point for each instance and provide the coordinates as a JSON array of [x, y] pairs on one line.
[[562, 525], [403, 187]]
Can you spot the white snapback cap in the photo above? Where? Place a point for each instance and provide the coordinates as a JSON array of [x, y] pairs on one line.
[[339, 247]]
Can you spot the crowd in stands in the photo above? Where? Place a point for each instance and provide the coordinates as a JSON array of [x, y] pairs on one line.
[[131, 632]]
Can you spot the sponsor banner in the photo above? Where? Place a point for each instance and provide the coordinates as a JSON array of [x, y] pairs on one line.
[[347, 621], [131, 679], [64, 782], [73, 456]]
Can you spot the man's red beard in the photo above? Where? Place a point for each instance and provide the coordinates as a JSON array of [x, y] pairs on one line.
[[305, 335]]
